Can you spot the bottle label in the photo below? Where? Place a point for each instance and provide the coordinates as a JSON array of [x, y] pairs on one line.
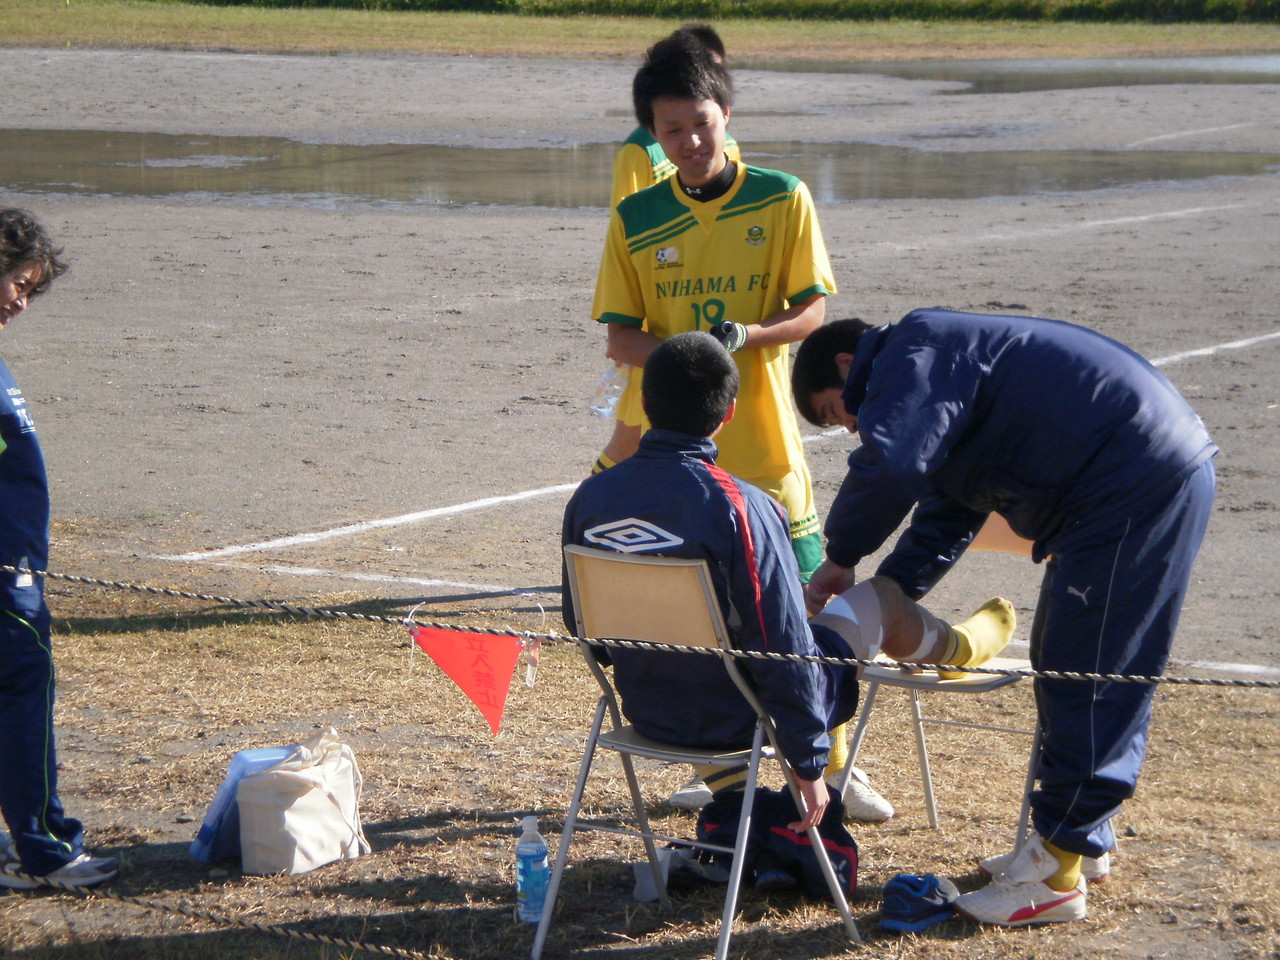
[[532, 873]]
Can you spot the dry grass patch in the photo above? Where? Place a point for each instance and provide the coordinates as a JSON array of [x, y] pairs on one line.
[[157, 695]]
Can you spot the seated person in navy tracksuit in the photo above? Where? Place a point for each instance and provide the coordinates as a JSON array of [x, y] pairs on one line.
[[1085, 449], [671, 499]]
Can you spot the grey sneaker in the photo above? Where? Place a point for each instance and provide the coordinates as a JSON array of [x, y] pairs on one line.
[[1095, 870], [83, 871], [861, 802], [693, 796]]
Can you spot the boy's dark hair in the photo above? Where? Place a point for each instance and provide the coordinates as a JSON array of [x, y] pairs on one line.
[[814, 367], [689, 383], [24, 241], [706, 35], [683, 67]]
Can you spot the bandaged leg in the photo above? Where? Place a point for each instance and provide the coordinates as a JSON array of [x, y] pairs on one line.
[[856, 616], [876, 615]]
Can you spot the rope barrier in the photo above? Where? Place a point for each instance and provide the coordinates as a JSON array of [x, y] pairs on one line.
[[531, 636], [225, 920]]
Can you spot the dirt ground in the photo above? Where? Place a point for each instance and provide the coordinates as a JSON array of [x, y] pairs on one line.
[[214, 374]]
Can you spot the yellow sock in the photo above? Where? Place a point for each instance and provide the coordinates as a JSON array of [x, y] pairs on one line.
[[719, 779], [1069, 864], [981, 637], [839, 751], [603, 463]]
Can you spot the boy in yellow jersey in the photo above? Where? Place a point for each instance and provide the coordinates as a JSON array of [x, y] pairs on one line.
[[639, 163], [736, 251]]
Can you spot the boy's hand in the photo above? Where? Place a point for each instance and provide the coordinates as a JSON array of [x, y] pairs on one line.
[[828, 580], [732, 336], [814, 795]]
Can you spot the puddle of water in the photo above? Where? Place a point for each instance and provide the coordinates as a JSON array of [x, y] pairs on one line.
[[275, 170], [1025, 76]]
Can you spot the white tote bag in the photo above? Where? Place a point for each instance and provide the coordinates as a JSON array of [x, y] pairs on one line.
[[303, 812]]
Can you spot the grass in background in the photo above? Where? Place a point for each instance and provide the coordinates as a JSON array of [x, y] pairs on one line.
[[156, 695], [183, 26]]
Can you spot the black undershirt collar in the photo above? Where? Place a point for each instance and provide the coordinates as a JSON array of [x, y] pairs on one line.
[[714, 189]]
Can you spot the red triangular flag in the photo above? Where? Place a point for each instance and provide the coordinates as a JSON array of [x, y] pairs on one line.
[[481, 664]]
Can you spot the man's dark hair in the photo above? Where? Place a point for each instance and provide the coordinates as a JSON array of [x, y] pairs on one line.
[[814, 367], [689, 383], [706, 35], [23, 241], [683, 67]]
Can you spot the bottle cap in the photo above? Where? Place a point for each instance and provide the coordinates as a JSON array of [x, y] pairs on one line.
[[530, 824]]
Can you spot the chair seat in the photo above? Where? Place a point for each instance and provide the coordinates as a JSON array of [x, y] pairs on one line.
[[895, 675], [627, 740]]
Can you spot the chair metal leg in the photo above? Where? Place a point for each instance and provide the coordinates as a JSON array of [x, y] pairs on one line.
[[740, 847], [922, 750], [566, 834], [642, 819], [859, 732], [1024, 814]]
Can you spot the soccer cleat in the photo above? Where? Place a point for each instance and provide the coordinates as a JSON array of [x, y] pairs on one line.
[[83, 871], [1093, 869], [693, 796], [861, 801], [915, 902], [1019, 897]]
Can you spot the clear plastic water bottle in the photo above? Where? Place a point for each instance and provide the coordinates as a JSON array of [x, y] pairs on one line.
[[612, 382], [533, 870]]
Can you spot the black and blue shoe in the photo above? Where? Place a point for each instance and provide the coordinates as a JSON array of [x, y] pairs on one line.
[[915, 902]]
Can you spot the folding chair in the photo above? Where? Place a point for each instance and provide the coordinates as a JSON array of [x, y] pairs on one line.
[[671, 601], [892, 675]]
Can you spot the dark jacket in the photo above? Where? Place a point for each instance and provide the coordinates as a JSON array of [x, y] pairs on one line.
[[670, 499], [1060, 430]]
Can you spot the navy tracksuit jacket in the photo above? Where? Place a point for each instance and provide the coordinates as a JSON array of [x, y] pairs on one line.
[[1086, 449], [670, 499], [44, 838]]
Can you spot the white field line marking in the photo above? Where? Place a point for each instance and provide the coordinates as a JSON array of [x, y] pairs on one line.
[[1210, 351], [474, 505], [1063, 228], [1190, 133], [367, 525], [488, 589]]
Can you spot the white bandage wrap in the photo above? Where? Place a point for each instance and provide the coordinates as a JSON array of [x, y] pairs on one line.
[[855, 615], [933, 628]]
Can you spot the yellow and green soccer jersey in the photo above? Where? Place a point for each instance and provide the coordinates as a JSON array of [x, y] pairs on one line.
[[641, 162], [672, 264]]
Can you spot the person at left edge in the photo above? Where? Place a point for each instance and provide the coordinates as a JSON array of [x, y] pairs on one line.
[[45, 842]]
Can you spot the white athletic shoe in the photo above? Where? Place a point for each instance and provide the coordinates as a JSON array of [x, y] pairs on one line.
[[693, 796], [83, 871], [1093, 869], [861, 801], [1019, 897]]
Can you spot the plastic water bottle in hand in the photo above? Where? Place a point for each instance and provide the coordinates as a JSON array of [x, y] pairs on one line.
[[612, 382], [533, 870]]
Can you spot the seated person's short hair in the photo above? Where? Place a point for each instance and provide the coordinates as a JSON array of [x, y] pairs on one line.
[[814, 367], [682, 67], [689, 383]]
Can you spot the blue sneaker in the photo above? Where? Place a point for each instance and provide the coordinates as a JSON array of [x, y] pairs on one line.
[[916, 902]]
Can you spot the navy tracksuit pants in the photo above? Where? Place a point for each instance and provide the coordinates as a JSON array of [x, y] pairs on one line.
[[43, 836], [1110, 606]]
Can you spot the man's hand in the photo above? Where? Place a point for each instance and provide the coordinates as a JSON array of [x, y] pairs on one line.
[[828, 580], [732, 336], [815, 797]]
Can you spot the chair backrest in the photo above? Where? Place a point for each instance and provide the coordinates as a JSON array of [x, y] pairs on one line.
[[625, 596]]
